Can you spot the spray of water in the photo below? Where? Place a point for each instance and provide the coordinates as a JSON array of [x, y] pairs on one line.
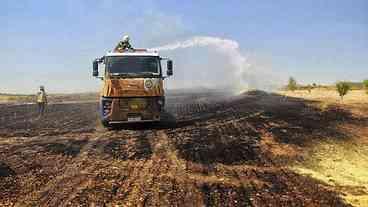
[[240, 67]]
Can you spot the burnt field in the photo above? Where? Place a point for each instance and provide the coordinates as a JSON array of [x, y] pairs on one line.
[[211, 150]]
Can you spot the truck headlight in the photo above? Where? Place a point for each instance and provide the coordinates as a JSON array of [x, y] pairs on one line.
[[106, 107]]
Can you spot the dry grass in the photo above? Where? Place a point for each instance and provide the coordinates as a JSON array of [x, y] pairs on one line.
[[52, 98], [342, 164], [330, 96], [5, 98]]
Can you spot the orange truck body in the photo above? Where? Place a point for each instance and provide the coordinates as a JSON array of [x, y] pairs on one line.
[[132, 96]]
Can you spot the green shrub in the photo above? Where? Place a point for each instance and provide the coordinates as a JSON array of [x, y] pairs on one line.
[[342, 88], [292, 85], [365, 83]]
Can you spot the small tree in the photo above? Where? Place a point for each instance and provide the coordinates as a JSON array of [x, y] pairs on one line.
[[342, 88], [365, 83], [292, 85]]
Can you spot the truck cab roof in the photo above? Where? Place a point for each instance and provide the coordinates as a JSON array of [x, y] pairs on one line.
[[134, 52]]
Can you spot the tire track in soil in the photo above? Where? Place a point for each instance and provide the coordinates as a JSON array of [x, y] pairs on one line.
[[129, 190], [162, 180]]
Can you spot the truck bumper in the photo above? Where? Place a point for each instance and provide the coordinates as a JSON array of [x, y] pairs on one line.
[[131, 109]]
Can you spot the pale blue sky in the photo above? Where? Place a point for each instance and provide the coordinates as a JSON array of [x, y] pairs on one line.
[[53, 42]]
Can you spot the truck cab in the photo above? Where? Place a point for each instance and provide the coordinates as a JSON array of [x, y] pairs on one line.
[[133, 88]]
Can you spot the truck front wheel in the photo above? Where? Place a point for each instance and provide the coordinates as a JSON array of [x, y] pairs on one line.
[[105, 124]]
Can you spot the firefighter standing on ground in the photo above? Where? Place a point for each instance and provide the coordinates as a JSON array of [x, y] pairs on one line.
[[41, 101], [124, 44]]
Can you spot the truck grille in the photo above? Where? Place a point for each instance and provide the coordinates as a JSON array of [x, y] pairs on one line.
[[129, 104]]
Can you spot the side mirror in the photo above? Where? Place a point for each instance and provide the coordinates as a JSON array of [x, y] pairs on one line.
[[169, 68], [95, 68]]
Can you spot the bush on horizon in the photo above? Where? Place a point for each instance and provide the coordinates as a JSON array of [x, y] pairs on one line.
[[342, 88]]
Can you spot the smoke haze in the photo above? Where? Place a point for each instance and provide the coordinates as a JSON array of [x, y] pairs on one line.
[[213, 62]]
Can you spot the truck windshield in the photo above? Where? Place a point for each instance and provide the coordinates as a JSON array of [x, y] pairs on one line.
[[133, 65]]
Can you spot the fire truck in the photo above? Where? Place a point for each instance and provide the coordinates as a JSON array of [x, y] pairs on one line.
[[133, 86]]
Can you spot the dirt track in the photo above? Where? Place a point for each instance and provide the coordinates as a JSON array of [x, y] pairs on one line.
[[212, 150]]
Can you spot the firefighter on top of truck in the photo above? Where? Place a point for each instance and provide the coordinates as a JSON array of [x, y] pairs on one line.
[[41, 101], [124, 44]]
